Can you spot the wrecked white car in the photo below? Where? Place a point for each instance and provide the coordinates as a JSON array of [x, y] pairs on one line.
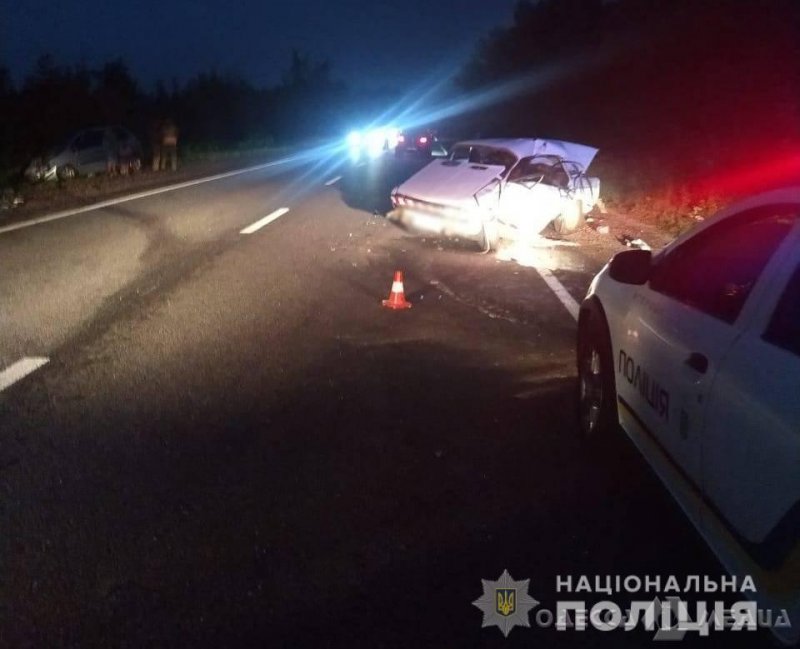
[[489, 190]]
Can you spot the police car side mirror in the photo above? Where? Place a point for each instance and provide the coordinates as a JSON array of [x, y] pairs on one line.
[[631, 266]]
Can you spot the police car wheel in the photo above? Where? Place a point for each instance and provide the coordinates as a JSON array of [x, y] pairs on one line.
[[596, 390]]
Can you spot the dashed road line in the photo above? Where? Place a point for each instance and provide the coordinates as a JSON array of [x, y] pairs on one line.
[[269, 218], [20, 370], [333, 181], [133, 197], [561, 293]]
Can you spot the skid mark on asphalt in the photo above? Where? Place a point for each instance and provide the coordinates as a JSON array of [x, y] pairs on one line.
[[492, 312], [269, 218], [19, 370]]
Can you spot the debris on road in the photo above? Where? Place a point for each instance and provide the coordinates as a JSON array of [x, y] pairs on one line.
[[630, 242]]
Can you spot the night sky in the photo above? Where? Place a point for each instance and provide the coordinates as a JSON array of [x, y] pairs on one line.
[[370, 43]]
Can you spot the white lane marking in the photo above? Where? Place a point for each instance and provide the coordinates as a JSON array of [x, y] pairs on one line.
[[20, 370], [269, 218], [561, 293], [333, 181], [133, 197]]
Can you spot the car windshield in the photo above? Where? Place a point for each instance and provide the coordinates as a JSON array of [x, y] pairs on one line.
[[547, 171], [484, 155]]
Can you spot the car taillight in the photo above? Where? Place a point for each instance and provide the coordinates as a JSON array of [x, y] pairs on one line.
[[423, 140]]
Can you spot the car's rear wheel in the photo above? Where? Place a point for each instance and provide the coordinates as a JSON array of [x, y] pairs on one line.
[[596, 390], [489, 237], [570, 219], [67, 172]]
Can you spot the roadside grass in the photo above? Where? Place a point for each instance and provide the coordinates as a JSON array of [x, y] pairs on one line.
[[206, 152], [648, 193]]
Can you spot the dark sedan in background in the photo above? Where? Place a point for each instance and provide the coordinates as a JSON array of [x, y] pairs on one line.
[[423, 141]]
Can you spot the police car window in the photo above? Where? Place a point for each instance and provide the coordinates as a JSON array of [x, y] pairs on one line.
[[784, 328], [715, 270]]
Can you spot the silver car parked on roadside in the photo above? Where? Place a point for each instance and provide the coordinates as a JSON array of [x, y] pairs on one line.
[[90, 151]]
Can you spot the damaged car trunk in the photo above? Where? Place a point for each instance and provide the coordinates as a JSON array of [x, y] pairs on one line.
[[489, 190]]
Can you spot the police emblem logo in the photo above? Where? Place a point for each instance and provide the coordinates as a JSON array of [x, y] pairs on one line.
[[505, 603]]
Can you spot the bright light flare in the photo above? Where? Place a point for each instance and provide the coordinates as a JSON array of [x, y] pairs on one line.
[[375, 142], [372, 142], [393, 137]]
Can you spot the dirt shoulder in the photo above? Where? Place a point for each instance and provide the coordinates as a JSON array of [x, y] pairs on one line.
[[609, 232]]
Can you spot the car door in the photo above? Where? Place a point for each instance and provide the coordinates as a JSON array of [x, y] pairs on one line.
[[584, 189], [91, 151], [681, 324], [529, 200], [751, 441]]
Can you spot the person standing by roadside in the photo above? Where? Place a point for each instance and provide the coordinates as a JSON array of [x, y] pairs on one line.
[[155, 142], [169, 145]]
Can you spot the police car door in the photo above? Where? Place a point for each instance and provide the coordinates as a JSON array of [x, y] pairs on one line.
[[751, 442], [682, 323]]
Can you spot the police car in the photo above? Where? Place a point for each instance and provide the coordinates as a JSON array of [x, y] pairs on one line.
[[695, 352]]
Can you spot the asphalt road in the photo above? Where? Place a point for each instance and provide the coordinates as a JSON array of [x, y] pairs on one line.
[[233, 444]]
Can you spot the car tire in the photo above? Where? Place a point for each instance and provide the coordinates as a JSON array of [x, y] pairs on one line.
[[489, 238], [67, 172], [570, 219], [597, 394]]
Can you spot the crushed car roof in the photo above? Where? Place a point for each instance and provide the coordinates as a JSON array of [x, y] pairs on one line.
[[526, 147]]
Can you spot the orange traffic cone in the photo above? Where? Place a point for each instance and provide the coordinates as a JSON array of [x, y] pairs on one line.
[[397, 298]]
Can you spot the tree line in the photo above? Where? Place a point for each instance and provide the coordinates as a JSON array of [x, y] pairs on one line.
[[681, 88]]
